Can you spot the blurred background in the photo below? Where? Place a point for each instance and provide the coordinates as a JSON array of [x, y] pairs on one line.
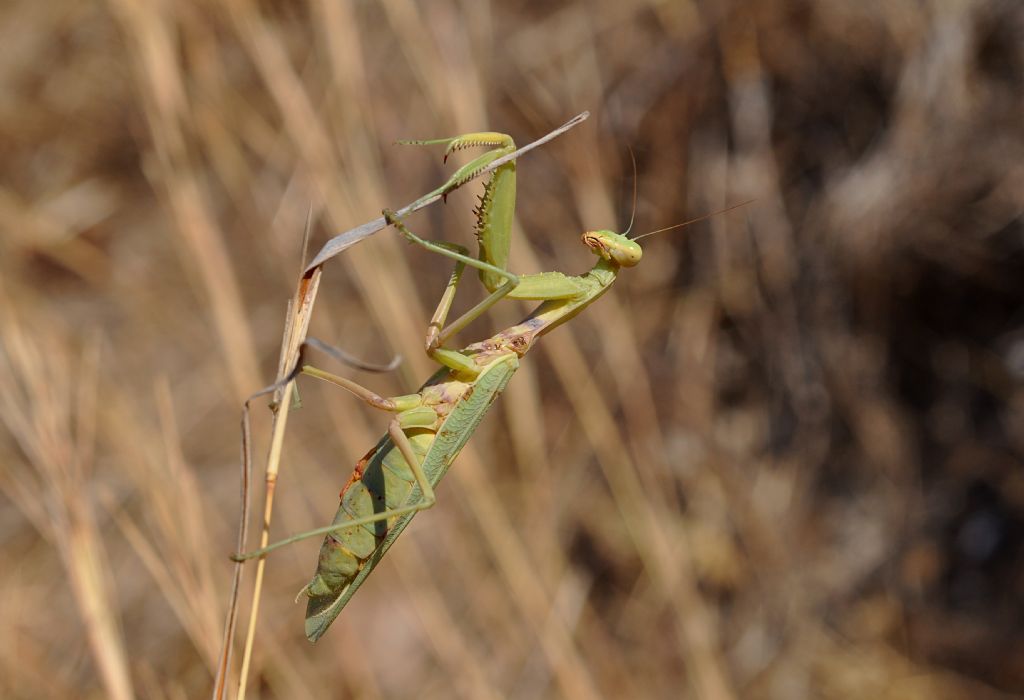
[[780, 459]]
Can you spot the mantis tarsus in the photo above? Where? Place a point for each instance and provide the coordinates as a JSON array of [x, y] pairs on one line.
[[396, 478]]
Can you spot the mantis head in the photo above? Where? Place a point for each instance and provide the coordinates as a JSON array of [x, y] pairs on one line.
[[613, 247]]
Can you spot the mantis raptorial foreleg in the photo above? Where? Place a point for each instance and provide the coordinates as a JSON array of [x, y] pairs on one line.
[[494, 235], [497, 203]]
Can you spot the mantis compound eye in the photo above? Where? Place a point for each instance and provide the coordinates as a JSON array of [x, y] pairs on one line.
[[626, 252]]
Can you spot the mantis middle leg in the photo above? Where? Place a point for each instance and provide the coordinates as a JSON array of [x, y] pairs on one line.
[[544, 286]]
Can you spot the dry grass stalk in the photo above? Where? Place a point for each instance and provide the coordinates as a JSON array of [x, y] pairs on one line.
[[49, 405], [786, 454]]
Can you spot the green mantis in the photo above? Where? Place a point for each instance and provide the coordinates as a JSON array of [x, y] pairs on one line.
[[397, 477]]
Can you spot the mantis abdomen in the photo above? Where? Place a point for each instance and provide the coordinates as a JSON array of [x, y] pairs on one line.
[[383, 481]]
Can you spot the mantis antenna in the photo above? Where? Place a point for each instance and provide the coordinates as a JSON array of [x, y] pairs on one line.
[[632, 157], [693, 221]]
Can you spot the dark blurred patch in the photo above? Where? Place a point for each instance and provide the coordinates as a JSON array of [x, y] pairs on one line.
[[1000, 54], [609, 575]]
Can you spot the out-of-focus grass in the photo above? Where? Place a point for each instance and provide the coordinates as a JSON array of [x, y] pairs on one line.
[[780, 459]]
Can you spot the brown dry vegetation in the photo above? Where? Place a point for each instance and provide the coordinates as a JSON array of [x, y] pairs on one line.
[[781, 459]]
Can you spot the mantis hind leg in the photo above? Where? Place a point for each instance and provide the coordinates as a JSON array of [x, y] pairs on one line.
[[396, 431]]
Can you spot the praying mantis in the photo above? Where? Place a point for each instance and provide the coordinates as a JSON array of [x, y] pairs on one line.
[[397, 477]]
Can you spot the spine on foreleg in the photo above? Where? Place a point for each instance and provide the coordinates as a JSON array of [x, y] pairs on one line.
[[494, 223]]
